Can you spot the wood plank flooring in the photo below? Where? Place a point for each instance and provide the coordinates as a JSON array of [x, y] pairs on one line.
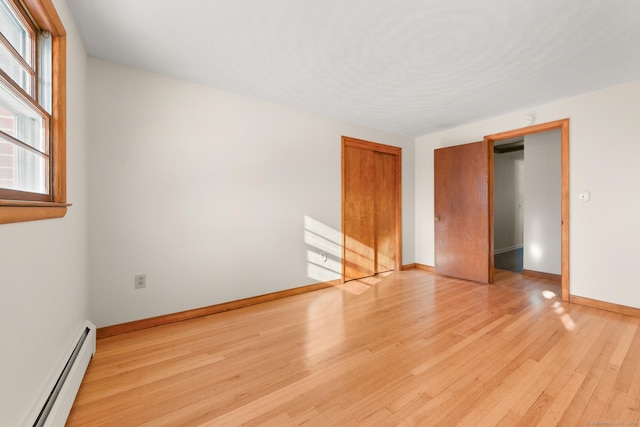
[[412, 348]]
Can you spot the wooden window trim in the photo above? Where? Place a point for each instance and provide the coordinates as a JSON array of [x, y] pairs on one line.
[[46, 17]]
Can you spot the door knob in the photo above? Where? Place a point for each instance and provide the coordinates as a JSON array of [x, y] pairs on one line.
[[437, 218]]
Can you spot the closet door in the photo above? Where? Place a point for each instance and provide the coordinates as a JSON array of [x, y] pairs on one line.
[[370, 208], [385, 211], [359, 208]]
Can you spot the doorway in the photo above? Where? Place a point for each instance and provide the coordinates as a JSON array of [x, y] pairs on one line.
[[527, 205], [371, 208], [562, 126], [481, 184], [509, 204]]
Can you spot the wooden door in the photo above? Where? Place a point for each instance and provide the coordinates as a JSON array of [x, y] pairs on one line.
[[370, 208], [461, 191], [358, 210], [385, 211]]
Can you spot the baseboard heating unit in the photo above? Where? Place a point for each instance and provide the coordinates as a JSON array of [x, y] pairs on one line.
[[57, 405]]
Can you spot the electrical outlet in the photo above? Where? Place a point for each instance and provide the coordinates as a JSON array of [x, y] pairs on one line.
[[140, 281]]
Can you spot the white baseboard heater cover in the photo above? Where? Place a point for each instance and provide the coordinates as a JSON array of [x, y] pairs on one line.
[[57, 404]]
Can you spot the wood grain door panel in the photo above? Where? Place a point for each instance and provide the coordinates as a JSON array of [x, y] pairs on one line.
[[359, 228], [385, 211], [461, 191], [371, 208]]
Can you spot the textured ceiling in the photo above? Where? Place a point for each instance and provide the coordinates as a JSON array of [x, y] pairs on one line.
[[410, 67]]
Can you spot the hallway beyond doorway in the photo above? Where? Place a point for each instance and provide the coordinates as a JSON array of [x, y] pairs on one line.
[[510, 260]]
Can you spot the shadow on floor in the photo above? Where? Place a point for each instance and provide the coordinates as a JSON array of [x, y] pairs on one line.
[[510, 261]]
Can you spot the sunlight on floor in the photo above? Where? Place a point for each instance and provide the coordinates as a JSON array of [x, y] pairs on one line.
[[558, 309], [324, 328], [548, 294], [355, 287], [358, 287]]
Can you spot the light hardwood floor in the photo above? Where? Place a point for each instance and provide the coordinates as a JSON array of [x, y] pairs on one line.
[[412, 348]]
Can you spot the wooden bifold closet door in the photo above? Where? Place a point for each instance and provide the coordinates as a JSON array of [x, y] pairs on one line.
[[370, 208]]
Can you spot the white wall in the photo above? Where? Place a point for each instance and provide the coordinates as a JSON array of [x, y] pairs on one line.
[[208, 193], [44, 269], [604, 154], [508, 202], [543, 203]]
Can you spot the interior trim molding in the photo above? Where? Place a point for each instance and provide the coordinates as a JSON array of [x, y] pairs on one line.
[[10, 214], [542, 275], [608, 306], [425, 267], [45, 16], [136, 325], [408, 267], [563, 126]]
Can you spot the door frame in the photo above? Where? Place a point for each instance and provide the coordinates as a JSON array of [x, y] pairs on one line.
[[388, 149], [563, 125]]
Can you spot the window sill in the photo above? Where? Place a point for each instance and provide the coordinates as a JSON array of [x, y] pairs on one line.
[[17, 211]]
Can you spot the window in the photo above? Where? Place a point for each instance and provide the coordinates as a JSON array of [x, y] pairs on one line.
[[32, 111]]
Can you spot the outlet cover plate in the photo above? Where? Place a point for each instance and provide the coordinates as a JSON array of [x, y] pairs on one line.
[[140, 281]]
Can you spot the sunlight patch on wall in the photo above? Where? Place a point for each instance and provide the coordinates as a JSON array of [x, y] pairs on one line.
[[321, 270], [536, 251], [322, 237], [324, 256]]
